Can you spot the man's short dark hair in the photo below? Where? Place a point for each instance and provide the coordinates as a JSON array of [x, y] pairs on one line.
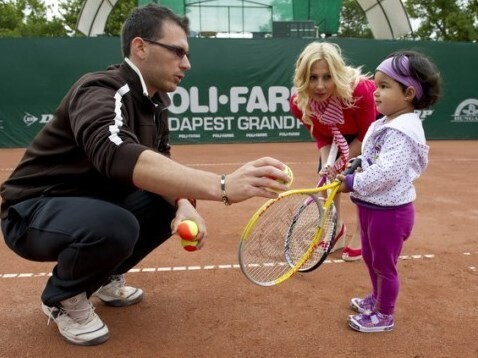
[[147, 22]]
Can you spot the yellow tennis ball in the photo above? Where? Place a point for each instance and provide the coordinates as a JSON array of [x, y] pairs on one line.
[[289, 172], [189, 245], [188, 230]]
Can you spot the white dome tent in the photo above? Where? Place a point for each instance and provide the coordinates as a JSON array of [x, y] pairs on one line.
[[93, 16], [387, 19]]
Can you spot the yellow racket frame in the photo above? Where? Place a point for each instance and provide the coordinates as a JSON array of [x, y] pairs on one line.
[[333, 187]]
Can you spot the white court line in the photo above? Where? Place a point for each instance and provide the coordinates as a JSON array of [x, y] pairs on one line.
[[472, 268], [219, 267], [192, 268]]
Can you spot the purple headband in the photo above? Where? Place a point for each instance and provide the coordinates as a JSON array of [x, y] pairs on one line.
[[387, 68]]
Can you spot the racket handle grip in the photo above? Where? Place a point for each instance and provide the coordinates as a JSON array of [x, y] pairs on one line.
[[354, 165]]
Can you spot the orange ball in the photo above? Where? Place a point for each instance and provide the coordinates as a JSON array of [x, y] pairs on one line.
[[189, 245], [188, 230]]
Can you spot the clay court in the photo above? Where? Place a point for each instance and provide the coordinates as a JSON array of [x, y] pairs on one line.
[[200, 305]]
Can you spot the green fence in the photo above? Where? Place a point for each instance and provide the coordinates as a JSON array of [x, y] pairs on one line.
[[236, 91]]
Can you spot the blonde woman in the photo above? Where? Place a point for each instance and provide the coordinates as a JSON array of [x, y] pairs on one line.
[[335, 103]]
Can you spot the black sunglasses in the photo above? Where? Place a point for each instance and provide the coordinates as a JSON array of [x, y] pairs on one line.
[[179, 51]]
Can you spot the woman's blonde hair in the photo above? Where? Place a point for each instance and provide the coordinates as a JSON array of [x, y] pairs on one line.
[[345, 77]]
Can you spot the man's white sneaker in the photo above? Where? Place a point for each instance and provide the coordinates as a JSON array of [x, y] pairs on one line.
[[116, 294], [84, 332]]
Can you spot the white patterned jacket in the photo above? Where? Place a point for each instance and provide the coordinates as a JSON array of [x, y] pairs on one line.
[[394, 154]]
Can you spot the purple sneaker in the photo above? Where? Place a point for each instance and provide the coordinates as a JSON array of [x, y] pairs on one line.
[[374, 322], [363, 305]]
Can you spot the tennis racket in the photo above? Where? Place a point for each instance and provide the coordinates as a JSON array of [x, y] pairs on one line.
[[320, 252], [262, 255]]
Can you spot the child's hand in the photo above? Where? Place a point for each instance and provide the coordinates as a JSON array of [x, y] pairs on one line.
[[342, 188], [329, 172], [349, 164]]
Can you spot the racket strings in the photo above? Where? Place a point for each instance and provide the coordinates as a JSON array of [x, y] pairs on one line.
[[280, 237], [312, 211]]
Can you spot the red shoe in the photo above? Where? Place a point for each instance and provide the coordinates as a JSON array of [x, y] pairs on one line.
[[349, 254]]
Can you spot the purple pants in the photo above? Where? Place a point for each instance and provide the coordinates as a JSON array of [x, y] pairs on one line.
[[383, 233]]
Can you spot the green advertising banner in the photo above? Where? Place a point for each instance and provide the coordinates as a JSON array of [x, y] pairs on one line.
[[236, 91], [35, 74]]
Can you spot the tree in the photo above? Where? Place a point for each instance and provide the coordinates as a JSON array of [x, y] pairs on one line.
[[445, 20], [28, 18], [440, 20], [353, 22], [70, 9], [118, 15]]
